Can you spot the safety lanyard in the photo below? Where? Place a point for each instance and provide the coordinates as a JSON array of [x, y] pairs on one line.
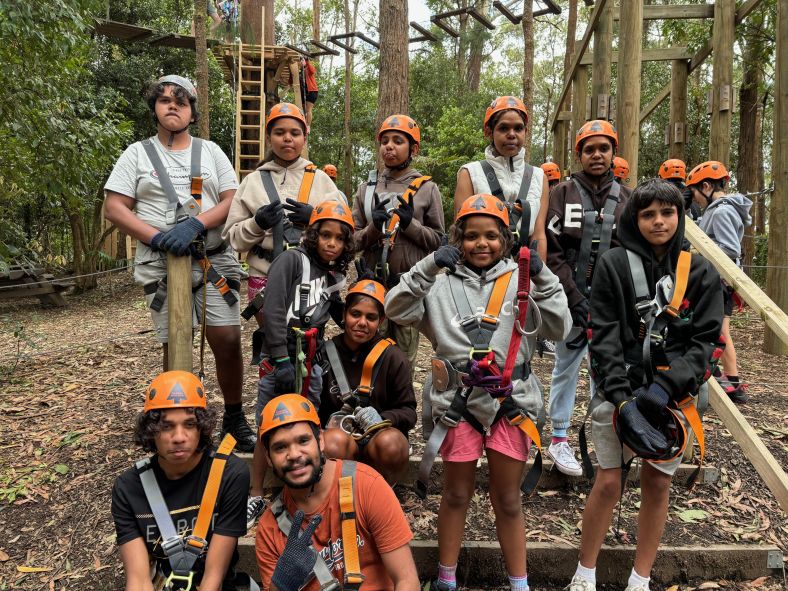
[[369, 372], [597, 233]]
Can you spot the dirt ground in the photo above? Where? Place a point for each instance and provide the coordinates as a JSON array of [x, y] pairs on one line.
[[72, 380]]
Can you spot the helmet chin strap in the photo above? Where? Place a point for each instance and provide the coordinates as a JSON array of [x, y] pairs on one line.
[[404, 164], [173, 134], [318, 474]]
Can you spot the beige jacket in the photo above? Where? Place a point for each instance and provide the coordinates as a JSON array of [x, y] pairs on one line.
[[241, 229]]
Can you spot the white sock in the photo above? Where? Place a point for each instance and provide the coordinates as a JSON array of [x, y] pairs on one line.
[[589, 574], [635, 580]]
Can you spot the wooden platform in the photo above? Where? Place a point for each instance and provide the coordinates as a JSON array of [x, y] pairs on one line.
[[27, 281], [136, 34]]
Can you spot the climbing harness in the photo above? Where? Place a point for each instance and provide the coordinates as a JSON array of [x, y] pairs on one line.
[[347, 491], [482, 371], [519, 208], [183, 553]]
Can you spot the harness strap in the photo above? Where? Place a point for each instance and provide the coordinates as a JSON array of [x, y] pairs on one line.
[[521, 305], [306, 184], [273, 197], [338, 369], [218, 281], [369, 195], [353, 576], [492, 179], [367, 383], [311, 348], [161, 173], [520, 419], [196, 170], [523, 226], [304, 311], [597, 233], [211, 489], [480, 330], [690, 411]]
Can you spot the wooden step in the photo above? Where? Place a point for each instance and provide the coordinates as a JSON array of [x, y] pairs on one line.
[[247, 126], [250, 141], [481, 565], [251, 97]]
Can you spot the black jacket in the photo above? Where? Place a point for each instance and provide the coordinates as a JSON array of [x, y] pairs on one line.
[[693, 341]]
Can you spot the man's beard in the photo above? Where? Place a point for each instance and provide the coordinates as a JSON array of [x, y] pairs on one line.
[[317, 472]]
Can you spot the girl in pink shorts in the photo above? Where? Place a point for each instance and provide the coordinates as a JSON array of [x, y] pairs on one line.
[[469, 313]]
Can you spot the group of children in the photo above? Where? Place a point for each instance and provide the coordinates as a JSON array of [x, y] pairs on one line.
[[584, 262]]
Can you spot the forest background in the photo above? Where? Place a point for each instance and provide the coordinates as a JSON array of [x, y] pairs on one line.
[[71, 101]]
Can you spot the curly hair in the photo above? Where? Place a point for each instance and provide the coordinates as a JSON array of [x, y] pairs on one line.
[[148, 425], [156, 89], [457, 231], [309, 241]]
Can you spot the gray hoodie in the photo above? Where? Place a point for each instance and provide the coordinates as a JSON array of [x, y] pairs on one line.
[[423, 297], [724, 222]]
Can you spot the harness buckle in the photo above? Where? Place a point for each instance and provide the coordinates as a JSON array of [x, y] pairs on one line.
[[172, 544], [364, 390], [448, 421], [195, 544], [472, 354], [187, 579], [489, 319]]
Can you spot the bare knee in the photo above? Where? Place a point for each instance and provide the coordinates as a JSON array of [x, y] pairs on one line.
[[653, 482], [338, 444], [507, 502], [607, 484], [389, 448]]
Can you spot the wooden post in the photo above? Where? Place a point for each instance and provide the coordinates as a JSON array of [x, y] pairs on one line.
[[579, 99], [201, 58], [600, 73], [628, 104], [777, 274], [179, 311], [294, 71], [559, 146], [678, 109], [722, 80]]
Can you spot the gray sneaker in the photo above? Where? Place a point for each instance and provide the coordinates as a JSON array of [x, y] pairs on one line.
[[254, 508], [564, 458], [580, 584]]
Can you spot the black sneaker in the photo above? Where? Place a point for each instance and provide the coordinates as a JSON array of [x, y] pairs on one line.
[[254, 508], [738, 393], [235, 424], [435, 585]]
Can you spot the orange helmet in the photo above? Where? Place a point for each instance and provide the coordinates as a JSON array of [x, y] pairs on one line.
[[620, 168], [710, 170], [369, 288], [596, 127], [483, 204], [504, 103], [552, 171], [286, 409], [285, 110], [403, 124], [673, 169], [174, 389], [331, 210], [330, 170]]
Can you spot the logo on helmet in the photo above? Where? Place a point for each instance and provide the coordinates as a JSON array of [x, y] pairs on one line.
[[478, 204], [339, 209], [282, 413], [152, 394], [393, 122], [305, 406], [284, 109], [370, 287], [177, 395]]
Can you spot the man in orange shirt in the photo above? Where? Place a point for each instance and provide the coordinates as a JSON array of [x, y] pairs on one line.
[[311, 89], [365, 510]]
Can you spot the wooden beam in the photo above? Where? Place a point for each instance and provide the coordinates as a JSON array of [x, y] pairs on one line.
[[770, 313], [722, 81], [601, 70], [741, 13], [579, 51], [630, 44], [649, 55], [426, 35], [675, 11], [752, 446], [677, 122], [179, 313], [579, 111], [515, 20], [483, 20]]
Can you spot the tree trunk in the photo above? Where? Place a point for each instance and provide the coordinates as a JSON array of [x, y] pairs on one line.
[[393, 84], [316, 20], [479, 37], [528, 68], [348, 148], [462, 44], [201, 48], [253, 29]]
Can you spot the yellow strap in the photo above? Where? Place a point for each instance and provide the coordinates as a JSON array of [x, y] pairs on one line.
[[306, 184], [370, 361], [529, 428], [682, 276], [208, 501], [495, 303], [407, 196], [693, 418], [349, 540]]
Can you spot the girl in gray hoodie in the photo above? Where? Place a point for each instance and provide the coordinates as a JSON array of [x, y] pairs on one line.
[[453, 310]]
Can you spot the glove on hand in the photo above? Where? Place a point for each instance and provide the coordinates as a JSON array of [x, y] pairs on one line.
[[651, 401], [633, 421], [536, 262], [294, 566], [380, 216], [155, 242], [300, 212], [367, 417], [179, 238], [269, 215], [405, 213], [447, 257], [580, 313], [285, 376], [363, 271]]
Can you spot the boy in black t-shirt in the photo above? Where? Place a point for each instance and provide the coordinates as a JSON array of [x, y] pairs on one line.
[[176, 425]]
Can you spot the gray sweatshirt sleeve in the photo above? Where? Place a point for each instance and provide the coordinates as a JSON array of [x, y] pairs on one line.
[[725, 228], [550, 297], [405, 302], [284, 274]]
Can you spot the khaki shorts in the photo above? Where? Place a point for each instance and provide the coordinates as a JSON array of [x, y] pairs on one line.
[[608, 447], [218, 313]]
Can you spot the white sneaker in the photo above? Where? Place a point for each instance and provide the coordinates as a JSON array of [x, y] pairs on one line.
[[580, 584], [637, 588], [564, 459], [254, 508]]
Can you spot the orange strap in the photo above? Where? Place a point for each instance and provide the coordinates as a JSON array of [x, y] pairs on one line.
[[196, 189], [682, 277], [208, 501], [495, 303], [407, 196], [353, 574], [369, 364], [306, 184], [525, 424], [690, 411]]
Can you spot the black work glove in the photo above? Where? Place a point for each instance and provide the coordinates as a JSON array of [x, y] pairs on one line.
[[447, 257], [363, 271], [651, 401], [536, 264], [633, 421], [178, 240], [285, 376], [380, 216], [405, 213], [269, 215], [294, 566], [580, 313], [155, 242], [299, 212]]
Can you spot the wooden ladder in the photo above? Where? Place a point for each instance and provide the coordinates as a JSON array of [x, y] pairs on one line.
[[249, 109]]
